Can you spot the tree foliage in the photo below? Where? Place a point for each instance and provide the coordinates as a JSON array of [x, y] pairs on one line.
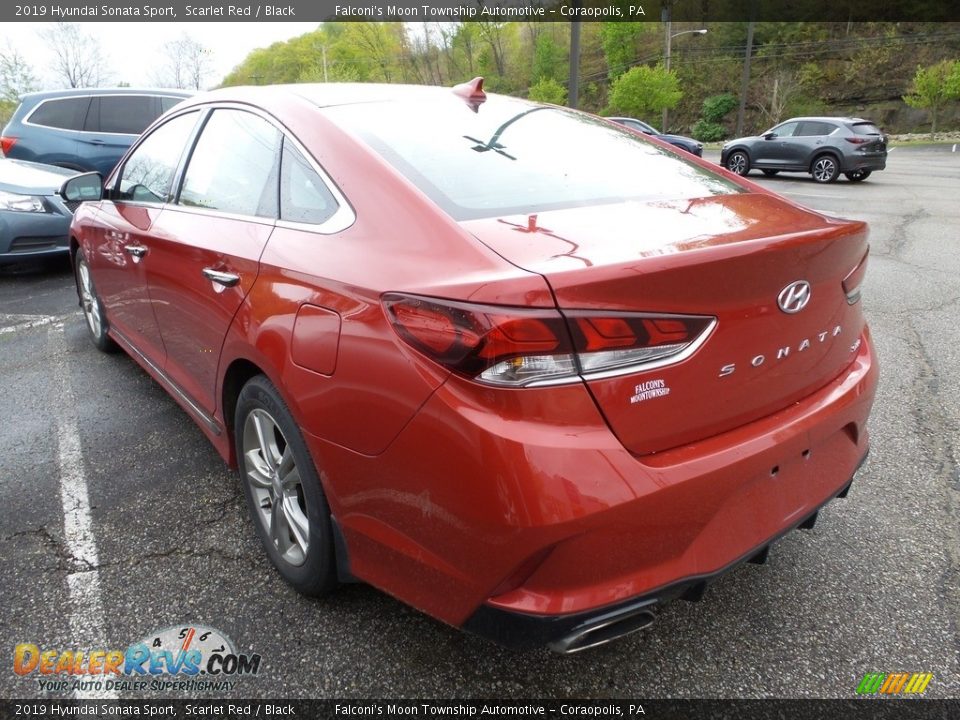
[[16, 76], [796, 68], [643, 91], [548, 90], [933, 86], [620, 40]]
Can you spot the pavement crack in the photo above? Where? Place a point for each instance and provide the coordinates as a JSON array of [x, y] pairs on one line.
[[66, 560], [937, 432], [899, 236]]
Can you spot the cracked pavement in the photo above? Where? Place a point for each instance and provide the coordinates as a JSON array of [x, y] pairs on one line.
[[873, 588]]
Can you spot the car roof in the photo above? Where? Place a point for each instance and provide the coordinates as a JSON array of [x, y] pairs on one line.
[[827, 118], [80, 92], [330, 94]]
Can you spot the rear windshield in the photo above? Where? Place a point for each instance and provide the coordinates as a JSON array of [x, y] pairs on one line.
[[866, 128], [511, 156]]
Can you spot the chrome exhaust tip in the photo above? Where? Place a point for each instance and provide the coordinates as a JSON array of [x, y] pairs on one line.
[[603, 631]]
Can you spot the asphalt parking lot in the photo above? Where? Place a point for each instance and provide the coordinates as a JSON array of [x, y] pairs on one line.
[[874, 587]]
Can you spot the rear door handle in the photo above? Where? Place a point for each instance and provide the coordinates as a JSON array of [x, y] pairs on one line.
[[138, 251], [221, 278]]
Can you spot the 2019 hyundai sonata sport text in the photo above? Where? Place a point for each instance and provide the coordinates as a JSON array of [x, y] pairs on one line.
[[514, 365]]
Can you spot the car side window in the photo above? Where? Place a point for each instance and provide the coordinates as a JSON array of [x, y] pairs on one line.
[[122, 114], [234, 166], [813, 128], [147, 176], [304, 196], [65, 114], [786, 130], [167, 102]]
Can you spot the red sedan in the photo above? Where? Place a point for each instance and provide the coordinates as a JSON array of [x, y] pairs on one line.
[[513, 364]]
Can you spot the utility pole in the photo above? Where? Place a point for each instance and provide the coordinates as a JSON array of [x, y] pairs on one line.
[[573, 85], [745, 80], [668, 36]]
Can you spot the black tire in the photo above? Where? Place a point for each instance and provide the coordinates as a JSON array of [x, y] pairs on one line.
[[825, 169], [858, 175], [738, 162], [770, 173], [93, 312], [296, 533]]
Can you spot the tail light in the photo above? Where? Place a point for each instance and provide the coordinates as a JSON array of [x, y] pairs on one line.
[[520, 347], [857, 140], [7, 143], [854, 281]]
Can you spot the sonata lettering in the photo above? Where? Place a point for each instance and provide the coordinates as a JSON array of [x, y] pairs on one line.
[[784, 352]]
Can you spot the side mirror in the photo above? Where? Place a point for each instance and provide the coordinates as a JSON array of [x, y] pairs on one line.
[[81, 188], [769, 135]]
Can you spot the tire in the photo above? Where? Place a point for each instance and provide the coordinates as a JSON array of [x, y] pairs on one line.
[[274, 462], [738, 162], [770, 173], [93, 312], [858, 175], [825, 169]]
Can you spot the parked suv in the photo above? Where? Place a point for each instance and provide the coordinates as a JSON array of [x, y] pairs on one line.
[[821, 146], [87, 129]]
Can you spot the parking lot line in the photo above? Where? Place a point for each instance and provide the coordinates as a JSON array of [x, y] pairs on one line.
[[86, 603]]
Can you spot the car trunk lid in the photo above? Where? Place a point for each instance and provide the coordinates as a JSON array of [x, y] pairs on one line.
[[732, 257]]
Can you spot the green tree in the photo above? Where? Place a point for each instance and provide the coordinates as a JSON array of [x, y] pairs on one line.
[[710, 126], [932, 87], [643, 91], [16, 78], [619, 41], [548, 58], [548, 90]]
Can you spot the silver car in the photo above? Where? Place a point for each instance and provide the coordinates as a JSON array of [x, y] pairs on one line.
[[34, 219], [825, 147]]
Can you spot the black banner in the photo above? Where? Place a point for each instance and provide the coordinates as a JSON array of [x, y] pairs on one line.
[[481, 10], [861, 709]]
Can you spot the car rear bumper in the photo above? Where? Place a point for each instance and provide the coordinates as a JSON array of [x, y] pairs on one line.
[[872, 163], [525, 531], [572, 632]]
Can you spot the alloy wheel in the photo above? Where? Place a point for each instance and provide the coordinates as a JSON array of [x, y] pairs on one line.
[[91, 308], [825, 169], [276, 486]]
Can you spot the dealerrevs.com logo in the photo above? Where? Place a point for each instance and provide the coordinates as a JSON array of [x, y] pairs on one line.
[[898, 683], [186, 658]]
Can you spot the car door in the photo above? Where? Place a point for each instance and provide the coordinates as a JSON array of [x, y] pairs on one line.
[[811, 138], [122, 235], [205, 248], [771, 151], [51, 132]]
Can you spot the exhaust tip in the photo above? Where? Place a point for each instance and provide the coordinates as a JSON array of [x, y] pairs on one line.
[[603, 632]]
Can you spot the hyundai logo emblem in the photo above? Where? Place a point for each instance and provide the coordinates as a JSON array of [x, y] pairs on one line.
[[794, 297]]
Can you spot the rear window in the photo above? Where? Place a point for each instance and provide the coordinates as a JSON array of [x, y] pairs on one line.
[[514, 157], [66, 113], [865, 128]]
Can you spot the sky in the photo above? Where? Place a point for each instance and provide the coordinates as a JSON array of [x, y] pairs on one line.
[[134, 49]]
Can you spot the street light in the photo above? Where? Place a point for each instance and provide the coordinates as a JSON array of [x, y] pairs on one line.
[[668, 37]]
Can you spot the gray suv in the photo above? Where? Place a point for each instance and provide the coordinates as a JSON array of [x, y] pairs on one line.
[[825, 147]]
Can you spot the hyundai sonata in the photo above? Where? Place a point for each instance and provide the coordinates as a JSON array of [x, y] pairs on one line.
[[515, 365]]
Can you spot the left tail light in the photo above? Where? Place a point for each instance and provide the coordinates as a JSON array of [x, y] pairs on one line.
[[853, 282], [520, 347]]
